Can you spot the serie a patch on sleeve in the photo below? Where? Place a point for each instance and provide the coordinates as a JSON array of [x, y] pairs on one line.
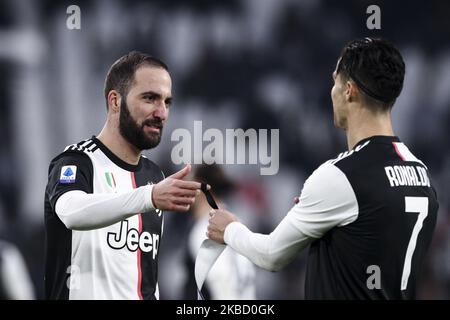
[[68, 174]]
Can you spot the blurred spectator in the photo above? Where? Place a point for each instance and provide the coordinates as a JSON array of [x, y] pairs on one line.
[[15, 283], [232, 277]]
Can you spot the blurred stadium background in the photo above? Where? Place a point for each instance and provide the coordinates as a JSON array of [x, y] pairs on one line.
[[235, 64]]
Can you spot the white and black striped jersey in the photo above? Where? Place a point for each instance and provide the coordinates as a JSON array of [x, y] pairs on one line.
[[119, 261], [373, 212], [368, 217]]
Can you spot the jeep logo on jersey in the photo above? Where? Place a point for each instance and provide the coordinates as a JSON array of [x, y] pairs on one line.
[[146, 241]]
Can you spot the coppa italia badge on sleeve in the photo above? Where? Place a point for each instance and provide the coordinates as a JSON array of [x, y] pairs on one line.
[[68, 174]]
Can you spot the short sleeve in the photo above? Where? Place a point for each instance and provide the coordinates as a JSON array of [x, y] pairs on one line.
[[69, 171], [327, 201]]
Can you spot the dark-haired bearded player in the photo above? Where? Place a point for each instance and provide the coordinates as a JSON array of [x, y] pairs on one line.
[[369, 214], [104, 200]]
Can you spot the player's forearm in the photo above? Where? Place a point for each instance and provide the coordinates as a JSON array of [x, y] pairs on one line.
[[271, 252], [82, 211]]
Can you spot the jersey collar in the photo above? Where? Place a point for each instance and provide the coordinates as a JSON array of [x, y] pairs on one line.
[[115, 159], [379, 139]]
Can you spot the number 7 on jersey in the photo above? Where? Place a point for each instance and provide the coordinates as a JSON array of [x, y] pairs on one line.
[[413, 205]]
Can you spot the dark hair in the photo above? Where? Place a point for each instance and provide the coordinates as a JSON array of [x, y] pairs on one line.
[[121, 74], [377, 68], [214, 175]]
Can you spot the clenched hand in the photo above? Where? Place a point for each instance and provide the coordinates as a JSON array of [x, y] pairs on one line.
[[218, 221]]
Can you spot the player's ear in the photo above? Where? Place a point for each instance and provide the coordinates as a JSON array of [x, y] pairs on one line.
[[114, 100], [350, 91]]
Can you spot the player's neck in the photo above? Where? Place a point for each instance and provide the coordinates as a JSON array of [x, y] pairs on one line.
[[114, 141], [364, 124]]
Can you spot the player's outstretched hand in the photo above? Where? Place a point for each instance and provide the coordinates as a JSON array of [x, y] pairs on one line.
[[175, 194], [218, 221]]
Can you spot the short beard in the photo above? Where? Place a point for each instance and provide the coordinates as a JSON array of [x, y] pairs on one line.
[[135, 134]]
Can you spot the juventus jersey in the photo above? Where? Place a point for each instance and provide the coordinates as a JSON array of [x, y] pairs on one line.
[[119, 261], [383, 221]]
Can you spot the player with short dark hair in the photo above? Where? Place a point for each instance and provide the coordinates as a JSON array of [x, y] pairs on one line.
[[369, 214], [104, 200], [121, 74], [376, 67]]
